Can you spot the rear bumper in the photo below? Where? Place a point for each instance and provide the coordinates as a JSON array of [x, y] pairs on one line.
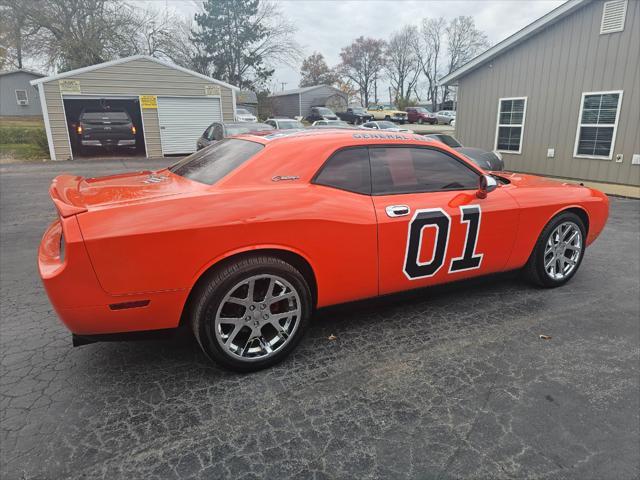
[[109, 143], [79, 300]]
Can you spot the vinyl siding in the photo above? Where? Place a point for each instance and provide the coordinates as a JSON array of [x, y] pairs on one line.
[[286, 105], [553, 69], [11, 82], [137, 77], [317, 97]]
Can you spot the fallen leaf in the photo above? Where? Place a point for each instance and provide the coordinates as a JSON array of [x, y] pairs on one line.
[[332, 337], [545, 337]]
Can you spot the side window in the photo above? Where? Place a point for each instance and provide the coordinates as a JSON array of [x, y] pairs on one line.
[[411, 170], [207, 132], [347, 170]]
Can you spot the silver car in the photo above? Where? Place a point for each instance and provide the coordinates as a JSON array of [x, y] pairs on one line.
[[445, 117], [386, 126], [284, 123]]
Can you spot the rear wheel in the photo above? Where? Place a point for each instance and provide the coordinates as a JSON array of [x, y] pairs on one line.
[[558, 252], [251, 314]]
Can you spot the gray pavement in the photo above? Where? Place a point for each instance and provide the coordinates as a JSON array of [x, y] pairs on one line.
[[450, 382]]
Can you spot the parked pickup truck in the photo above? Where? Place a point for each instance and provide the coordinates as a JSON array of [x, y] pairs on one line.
[[321, 113], [381, 112], [105, 129], [355, 115]]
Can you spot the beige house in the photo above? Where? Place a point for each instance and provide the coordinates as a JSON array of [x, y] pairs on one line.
[[561, 97], [170, 105]]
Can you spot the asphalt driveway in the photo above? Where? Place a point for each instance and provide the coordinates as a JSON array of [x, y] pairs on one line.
[[451, 382]]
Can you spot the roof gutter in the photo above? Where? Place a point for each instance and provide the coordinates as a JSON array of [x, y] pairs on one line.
[[515, 39]]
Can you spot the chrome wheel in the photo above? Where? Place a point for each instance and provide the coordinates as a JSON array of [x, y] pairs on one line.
[[562, 251], [257, 317]]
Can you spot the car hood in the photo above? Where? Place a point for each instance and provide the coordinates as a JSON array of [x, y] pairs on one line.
[[523, 180], [72, 194]]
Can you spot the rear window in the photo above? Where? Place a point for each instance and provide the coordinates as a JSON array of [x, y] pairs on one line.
[[215, 162], [100, 116]]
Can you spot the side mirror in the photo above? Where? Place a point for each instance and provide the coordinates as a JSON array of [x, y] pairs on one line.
[[486, 185]]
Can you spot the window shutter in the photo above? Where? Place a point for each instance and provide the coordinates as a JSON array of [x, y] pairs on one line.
[[613, 15]]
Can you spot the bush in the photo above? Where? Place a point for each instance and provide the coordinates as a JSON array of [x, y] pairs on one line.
[[40, 139], [16, 135]]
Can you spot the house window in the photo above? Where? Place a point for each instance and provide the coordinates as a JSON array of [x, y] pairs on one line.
[[597, 124], [511, 114], [21, 97], [613, 16]]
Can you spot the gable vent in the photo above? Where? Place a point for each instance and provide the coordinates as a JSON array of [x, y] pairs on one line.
[[613, 15]]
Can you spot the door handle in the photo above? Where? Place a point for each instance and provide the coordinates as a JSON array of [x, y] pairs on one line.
[[398, 210]]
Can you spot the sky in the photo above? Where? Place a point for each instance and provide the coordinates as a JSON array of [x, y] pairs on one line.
[[328, 25]]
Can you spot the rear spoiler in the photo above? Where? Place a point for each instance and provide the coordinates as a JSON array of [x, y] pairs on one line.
[[65, 195]]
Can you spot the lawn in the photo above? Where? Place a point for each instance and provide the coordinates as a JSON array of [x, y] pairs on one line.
[[22, 139]]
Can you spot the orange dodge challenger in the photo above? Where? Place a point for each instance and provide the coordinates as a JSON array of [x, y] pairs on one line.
[[244, 239]]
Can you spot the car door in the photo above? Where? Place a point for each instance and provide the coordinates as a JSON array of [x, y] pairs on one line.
[[432, 227]]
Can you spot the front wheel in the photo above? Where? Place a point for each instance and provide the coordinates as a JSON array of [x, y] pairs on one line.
[[252, 313], [558, 252]]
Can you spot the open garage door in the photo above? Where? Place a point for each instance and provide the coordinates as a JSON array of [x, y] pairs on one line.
[[182, 121], [104, 126]]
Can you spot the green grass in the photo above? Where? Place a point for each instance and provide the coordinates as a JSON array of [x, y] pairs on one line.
[[22, 139], [21, 151], [22, 122]]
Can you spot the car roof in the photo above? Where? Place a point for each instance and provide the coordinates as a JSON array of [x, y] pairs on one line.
[[348, 136]]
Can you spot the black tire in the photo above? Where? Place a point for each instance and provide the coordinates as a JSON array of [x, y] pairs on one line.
[[387, 118], [534, 270], [213, 290]]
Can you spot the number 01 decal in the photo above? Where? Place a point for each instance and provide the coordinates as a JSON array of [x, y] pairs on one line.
[[438, 219]]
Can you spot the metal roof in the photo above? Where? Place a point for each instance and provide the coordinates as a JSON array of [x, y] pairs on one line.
[[22, 70], [118, 61], [515, 39], [297, 91]]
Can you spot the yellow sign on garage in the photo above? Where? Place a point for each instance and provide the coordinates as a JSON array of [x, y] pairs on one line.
[[149, 101], [69, 86], [212, 90]]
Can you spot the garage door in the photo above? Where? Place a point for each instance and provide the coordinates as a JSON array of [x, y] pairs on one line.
[[182, 121]]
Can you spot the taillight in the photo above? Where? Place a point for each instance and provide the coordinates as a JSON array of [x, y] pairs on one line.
[[133, 129], [79, 129]]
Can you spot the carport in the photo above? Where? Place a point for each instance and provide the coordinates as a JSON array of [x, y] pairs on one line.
[[169, 106]]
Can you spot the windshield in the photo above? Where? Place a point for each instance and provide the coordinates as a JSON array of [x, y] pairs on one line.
[[422, 110], [242, 111], [285, 125], [358, 110], [250, 127], [386, 125], [324, 111], [213, 163]]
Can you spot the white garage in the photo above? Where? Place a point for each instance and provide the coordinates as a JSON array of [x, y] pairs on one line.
[[169, 106], [183, 119]]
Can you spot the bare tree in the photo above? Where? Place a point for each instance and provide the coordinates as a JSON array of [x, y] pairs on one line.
[[403, 65], [77, 33], [362, 64], [315, 71], [15, 32], [464, 42], [428, 49]]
